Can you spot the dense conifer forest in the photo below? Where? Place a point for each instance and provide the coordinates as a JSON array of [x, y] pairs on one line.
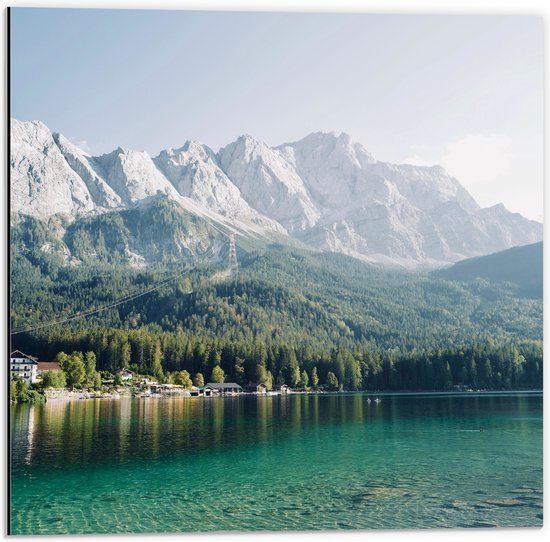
[[290, 316]]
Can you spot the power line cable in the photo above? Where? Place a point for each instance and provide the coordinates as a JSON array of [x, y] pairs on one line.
[[111, 305]]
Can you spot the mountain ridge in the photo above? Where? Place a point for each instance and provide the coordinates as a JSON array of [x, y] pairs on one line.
[[324, 190], [521, 266]]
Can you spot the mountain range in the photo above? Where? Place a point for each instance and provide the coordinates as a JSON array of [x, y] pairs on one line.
[[323, 192]]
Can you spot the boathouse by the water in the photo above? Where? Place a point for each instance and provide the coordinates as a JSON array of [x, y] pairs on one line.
[[283, 389], [260, 388], [228, 388]]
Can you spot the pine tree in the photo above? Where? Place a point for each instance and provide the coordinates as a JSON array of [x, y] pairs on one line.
[[314, 378], [304, 379], [125, 354], [156, 362], [332, 381]]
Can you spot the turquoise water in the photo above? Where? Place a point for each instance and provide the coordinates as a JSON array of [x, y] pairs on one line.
[[301, 462]]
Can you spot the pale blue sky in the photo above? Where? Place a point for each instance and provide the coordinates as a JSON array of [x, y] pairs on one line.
[[464, 91]]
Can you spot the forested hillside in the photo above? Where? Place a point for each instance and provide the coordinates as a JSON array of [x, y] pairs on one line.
[[289, 315], [522, 266]]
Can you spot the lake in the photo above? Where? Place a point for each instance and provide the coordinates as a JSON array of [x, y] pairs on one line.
[[300, 462]]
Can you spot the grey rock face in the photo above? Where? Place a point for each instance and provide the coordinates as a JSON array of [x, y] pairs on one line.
[[84, 166], [42, 182], [324, 190], [195, 173], [269, 183]]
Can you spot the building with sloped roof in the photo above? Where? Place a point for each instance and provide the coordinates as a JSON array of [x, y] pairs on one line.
[[23, 366], [258, 388], [227, 388], [47, 366]]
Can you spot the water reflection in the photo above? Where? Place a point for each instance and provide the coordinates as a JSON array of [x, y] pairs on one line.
[[63, 435], [297, 462]]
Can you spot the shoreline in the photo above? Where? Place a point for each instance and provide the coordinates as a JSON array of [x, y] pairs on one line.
[[58, 397]]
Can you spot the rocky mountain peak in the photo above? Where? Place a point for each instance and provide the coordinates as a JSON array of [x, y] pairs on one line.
[[325, 190], [42, 182]]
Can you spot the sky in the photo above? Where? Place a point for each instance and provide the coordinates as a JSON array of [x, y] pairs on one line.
[[465, 92]]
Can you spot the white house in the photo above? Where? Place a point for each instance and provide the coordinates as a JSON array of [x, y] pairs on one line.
[[24, 366]]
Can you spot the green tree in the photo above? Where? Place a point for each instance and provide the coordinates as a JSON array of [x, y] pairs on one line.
[[61, 358], [444, 378], [21, 386], [183, 378], [332, 381], [218, 375], [125, 354], [97, 380], [239, 370], [314, 378], [32, 397], [156, 362], [73, 367], [304, 379], [90, 363], [269, 381], [215, 357], [260, 373], [13, 390], [487, 374], [293, 368], [348, 369], [198, 380], [54, 379]]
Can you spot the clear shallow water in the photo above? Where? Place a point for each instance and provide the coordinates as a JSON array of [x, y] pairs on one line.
[[301, 462]]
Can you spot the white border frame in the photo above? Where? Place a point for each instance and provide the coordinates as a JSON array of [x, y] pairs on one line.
[[474, 7]]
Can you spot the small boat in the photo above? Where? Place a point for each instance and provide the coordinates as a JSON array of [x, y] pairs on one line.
[[368, 400], [377, 400]]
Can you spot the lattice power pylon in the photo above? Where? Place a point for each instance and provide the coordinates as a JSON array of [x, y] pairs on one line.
[[233, 265]]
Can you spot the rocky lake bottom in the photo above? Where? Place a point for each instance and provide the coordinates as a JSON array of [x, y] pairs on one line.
[[302, 462]]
